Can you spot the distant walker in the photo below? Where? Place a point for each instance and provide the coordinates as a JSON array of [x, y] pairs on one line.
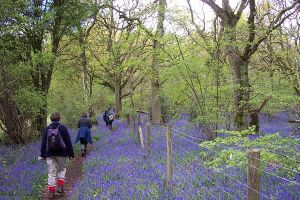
[[108, 117]]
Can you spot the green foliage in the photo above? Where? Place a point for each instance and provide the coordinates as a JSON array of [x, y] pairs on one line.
[[96, 138], [66, 96], [188, 66], [28, 100], [231, 150], [42, 60], [167, 109], [274, 86], [243, 133], [189, 158]]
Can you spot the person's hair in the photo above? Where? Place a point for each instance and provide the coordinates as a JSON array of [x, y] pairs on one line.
[[55, 116], [84, 115]]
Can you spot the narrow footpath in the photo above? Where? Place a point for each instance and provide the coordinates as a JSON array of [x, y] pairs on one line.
[[73, 175]]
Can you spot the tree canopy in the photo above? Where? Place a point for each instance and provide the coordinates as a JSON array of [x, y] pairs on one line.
[[222, 67]]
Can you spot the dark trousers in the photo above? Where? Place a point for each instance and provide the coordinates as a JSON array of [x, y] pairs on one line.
[[83, 143], [109, 123]]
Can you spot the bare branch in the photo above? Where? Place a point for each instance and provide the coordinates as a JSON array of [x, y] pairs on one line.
[[217, 9], [273, 25], [242, 7]]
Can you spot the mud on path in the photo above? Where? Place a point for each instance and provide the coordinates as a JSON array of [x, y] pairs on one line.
[[73, 175]]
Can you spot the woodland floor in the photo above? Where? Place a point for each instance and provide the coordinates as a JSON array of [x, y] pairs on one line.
[[73, 175]]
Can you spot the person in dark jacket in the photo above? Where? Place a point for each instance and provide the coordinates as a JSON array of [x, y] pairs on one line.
[[105, 116], [84, 133], [108, 117], [56, 160]]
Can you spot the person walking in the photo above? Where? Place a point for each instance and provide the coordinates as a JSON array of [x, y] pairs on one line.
[[56, 146], [84, 133], [105, 115], [108, 117]]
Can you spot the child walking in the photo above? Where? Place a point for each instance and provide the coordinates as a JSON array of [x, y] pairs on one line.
[[55, 148]]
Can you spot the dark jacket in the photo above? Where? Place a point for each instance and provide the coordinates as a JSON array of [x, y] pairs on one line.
[[85, 133], [106, 115], [68, 151], [84, 122], [84, 125]]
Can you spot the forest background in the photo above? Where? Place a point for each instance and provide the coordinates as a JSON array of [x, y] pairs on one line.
[[222, 62]]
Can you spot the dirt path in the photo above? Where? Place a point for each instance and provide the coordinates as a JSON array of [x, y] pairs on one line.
[[73, 174]]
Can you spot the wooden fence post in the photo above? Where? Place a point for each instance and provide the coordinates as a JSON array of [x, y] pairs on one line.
[[148, 138], [253, 174], [140, 132], [169, 157]]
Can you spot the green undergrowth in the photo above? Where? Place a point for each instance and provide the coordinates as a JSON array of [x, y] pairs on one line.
[[276, 152]]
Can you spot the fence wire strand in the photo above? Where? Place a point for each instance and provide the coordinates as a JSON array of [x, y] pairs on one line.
[[160, 141]]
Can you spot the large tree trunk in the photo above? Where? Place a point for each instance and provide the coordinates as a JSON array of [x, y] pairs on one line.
[[155, 103], [87, 84], [155, 86], [43, 74], [155, 100], [41, 119], [12, 121], [85, 81], [84, 68], [241, 90], [239, 68], [118, 97], [239, 57]]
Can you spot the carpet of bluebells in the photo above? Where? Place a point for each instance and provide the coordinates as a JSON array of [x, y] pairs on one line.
[[119, 168], [22, 176]]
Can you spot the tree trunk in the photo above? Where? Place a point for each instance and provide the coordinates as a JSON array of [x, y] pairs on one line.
[[241, 90], [239, 68], [156, 108], [42, 77], [14, 124], [254, 120], [118, 97], [85, 81], [41, 119], [84, 69], [155, 86], [297, 87], [254, 115]]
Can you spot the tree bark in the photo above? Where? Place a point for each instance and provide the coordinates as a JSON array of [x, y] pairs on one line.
[[241, 90], [42, 77], [239, 58], [84, 67], [118, 99], [254, 115], [14, 124], [155, 86]]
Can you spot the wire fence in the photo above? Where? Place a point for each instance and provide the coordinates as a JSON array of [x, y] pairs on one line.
[[195, 171]]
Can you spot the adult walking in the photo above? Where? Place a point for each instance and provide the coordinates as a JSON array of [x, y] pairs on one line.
[[108, 117], [56, 146], [84, 133]]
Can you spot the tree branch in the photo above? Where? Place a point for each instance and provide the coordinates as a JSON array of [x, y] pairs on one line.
[[217, 9], [242, 7], [273, 25]]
